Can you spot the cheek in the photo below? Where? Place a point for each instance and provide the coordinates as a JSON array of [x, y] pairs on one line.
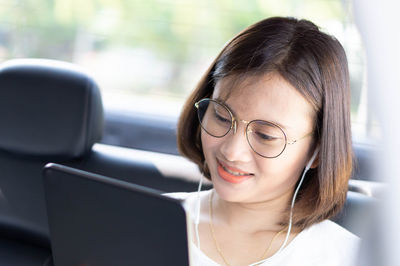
[[285, 169]]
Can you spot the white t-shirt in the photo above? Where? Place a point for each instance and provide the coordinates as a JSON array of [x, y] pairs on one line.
[[322, 244]]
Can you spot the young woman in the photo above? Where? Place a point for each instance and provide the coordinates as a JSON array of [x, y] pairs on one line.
[[269, 125]]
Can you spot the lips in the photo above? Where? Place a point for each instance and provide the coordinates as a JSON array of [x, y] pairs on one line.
[[231, 174]]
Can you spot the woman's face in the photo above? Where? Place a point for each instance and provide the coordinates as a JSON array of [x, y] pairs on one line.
[[237, 172]]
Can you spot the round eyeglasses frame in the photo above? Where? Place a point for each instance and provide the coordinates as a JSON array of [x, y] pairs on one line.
[[234, 122]]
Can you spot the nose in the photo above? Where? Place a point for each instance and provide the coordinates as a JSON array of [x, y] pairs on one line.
[[235, 146]]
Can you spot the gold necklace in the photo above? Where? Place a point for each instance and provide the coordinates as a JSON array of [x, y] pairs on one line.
[[215, 239]]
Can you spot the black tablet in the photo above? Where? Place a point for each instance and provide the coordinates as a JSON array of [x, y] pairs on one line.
[[97, 220]]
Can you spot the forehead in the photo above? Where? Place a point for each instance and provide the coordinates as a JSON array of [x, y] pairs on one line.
[[267, 97]]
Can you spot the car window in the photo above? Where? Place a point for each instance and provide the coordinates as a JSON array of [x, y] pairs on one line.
[[147, 56]]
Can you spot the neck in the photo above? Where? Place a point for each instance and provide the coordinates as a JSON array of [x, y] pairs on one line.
[[250, 217]]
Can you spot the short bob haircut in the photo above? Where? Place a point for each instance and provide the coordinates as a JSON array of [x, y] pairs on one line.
[[315, 64]]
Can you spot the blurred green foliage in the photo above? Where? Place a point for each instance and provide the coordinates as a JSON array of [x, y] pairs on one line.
[[49, 28], [182, 34]]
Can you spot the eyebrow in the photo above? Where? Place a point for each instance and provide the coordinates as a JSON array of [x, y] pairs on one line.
[[220, 100]]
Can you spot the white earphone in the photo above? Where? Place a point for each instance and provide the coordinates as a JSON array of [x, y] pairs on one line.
[[311, 161], [308, 166]]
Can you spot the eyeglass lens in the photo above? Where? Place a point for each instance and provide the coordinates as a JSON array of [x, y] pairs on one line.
[[265, 138]]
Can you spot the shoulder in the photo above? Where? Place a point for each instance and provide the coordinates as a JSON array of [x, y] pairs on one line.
[[186, 195], [330, 236], [328, 243], [190, 199], [332, 232], [178, 195]]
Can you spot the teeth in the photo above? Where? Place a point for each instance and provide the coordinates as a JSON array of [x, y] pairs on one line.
[[233, 172]]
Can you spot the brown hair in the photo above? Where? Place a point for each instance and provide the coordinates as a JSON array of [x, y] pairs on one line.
[[315, 64]]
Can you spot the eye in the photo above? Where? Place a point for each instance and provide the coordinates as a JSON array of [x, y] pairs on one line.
[[265, 137], [221, 118]]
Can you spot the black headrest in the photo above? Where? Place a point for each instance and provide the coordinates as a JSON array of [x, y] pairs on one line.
[[48, 108]]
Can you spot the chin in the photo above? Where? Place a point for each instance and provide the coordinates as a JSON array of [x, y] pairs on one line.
[[229, 187]]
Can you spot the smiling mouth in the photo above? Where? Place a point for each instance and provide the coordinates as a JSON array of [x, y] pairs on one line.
[[232, 175], [233, 172]]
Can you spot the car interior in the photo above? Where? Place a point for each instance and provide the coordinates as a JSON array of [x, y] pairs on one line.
[[52, 111]]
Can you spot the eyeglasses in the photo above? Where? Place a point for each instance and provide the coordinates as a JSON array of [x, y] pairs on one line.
[[265, 138]]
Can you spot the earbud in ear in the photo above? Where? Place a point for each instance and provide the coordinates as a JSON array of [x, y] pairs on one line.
[[310, 162]]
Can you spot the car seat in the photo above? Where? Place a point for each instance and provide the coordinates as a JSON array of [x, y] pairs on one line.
[[49, 111]]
